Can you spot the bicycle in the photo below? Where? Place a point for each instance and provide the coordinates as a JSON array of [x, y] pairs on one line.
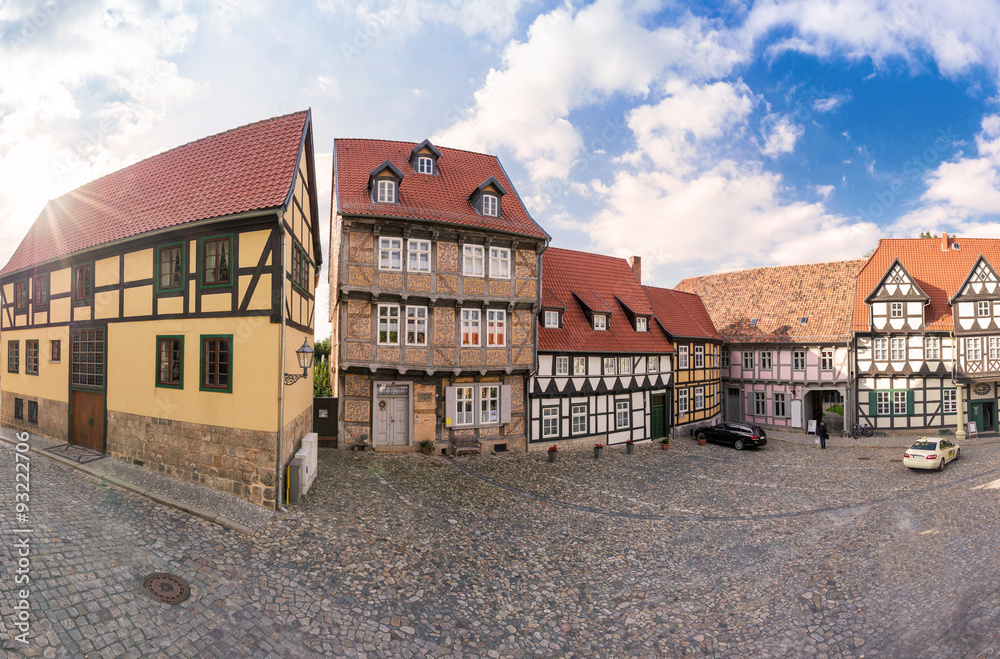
[[859, 430]]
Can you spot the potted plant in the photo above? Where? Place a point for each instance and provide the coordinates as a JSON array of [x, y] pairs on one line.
[[598, 448], [701, 437], [665, 443], [629, 446], [553, 450], [427, 447], [361, 443]]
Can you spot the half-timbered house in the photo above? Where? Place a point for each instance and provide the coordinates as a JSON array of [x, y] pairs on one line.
[[926, 328], [151, 314], [604, 360], [697, 391], [786, 333], [434, 289]]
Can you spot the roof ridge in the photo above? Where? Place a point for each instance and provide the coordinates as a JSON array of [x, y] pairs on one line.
[[577, 251], [412, 144], [776, 267]]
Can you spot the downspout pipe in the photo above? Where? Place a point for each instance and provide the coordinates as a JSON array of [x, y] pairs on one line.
[[278, 496]]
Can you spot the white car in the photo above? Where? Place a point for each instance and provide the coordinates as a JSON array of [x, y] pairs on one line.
[[931, 454]]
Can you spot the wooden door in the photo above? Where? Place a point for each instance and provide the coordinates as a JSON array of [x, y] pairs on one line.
[[87, 419], [392, 421], [734, 410], [658, 416]]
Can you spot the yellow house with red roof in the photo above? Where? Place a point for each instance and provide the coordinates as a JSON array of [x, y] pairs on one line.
[[152, 313]]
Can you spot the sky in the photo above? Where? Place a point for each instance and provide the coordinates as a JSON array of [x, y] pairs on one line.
[[702, 136]]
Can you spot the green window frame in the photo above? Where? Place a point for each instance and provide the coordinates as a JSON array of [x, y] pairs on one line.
[[873, 405], [300, 268], [21, 295], [216, 363], [83, 283], [170, 362], [13, 356], [31, 357], [40, 291], [170, 265], [215, 261]]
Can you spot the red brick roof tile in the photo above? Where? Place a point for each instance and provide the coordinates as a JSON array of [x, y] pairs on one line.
[[566, 273], [441, 197], [682, 314], [778, 298], [939, 272], [241, 170]]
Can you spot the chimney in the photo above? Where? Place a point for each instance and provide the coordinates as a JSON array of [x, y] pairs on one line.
[[944, 241], [635, 262]]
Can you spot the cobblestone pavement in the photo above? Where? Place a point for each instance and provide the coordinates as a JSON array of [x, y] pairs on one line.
[[698, 550]]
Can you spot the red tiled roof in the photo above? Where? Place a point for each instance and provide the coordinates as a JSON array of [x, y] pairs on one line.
[[779, 297], [443, 197], [938, 272], [244, 169], [565, 272], [682, 314], [551, 300]]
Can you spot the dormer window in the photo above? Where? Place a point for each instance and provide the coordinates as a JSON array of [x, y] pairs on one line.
[[425, 165], [423, 158], [551, 319], [384, 182], [491, 205], [640, 324], [600, 322], [753, 322], [386, 191]]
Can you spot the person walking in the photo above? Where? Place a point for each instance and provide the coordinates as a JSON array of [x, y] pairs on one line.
[[823, 435]]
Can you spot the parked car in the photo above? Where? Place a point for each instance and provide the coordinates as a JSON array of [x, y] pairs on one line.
[[737, 435], [931, 454]]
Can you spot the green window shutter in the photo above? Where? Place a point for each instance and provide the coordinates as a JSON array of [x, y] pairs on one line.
[[909, 403], [871, 404]]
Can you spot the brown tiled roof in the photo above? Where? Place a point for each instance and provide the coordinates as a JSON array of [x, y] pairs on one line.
[[245, 169], [779, 297], [566, 273], [440, 197], [939, 272], [682, 314]]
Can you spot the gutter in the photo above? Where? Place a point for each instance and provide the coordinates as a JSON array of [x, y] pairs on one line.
[[281, 382]]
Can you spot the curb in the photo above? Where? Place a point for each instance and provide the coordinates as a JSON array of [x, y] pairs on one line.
[[221, 520]]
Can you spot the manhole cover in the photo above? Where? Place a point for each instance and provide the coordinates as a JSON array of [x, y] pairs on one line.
[[166, 587]]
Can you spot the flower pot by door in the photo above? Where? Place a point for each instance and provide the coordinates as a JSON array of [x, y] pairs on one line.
[[664, 446], [629, 448], [552, 456]]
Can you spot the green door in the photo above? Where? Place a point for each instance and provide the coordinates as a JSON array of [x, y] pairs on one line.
[[658, 416], [976, 414]]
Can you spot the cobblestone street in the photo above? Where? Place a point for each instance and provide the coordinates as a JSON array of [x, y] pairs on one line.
[[701, 550]]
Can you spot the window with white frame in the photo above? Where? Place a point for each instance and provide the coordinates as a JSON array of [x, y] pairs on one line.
[[562, 365], [390, 253], [682, 357], [748, 359], [388, 324], [949, 401], [500, 262], [416, 326], [386, 191], [418, 255], [725, 359], [472, 260], [622, 419], [994, 343], [699, 356], [932, 347], [579, 366], [826, 360], [640, 324], [496, 328], [491, 205], [973, 349], [699, 398], [882, 402], [609, 365], [552, 319], [880, 349], [578, 419], [489, 404], [765, 360], [682, 401], [464, 406], [899, 402], [982, 308], [798, 360], [550, 422], [600, 322], [624, 366], [759, 403], [471, 324], [425, 165], [896, 309], [897, 348], [653, 364], [778, 403]]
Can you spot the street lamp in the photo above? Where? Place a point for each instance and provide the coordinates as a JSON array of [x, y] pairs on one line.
[[305, 356]]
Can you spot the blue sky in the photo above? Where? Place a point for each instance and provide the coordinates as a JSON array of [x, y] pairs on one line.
[[701, 136]]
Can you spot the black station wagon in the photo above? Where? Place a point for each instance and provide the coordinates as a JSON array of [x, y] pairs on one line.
[[737, 435]]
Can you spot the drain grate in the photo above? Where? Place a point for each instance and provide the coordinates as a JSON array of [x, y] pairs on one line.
[[166, 587]]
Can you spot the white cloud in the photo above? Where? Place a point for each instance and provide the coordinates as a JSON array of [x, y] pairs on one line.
[[831, 103], [495, 19], [824, 191], [970, 184], [780, 135]]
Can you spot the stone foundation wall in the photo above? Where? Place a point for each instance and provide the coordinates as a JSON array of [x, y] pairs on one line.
[[232, 460], [53, 416], [295, 430]]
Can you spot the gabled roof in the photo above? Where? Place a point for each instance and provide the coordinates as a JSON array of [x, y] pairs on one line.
[[593, 301], [386, 164], [778, 297], [598, 279], [638, 305], [426, 144], [246, 169], [442, 198], [939, 272], [682, 314], [987, 267], [487, 183], [885, 281]]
